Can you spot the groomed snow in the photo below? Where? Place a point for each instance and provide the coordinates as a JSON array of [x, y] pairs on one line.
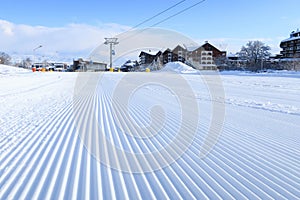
[[257, 155]]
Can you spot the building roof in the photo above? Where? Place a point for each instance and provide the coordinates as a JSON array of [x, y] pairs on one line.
[[180, 46], [295, 35], [150, 52], [290, 39], [193, 48]]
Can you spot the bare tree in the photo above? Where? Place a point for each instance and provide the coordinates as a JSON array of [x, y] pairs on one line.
[[291, 64], [255, 52], [26, 63], [4, 58]]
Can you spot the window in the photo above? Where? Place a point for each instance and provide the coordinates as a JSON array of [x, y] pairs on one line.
[[143, 59], [169, 57], [180, 55]]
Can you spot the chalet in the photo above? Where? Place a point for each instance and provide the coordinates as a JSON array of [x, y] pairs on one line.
[[180, 53], [215, 52], [148, 57], [167, 56], [194, 53], [200, 57]]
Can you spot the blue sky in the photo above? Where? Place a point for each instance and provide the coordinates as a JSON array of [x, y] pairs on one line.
[[226, 24]]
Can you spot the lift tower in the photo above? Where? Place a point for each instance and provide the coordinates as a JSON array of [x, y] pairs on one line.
[[111, 42]]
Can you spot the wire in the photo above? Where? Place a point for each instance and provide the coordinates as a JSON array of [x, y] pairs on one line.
[[147, 20], [167, 18], [178, 13]]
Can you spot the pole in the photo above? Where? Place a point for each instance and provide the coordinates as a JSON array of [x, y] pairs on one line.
[[110, 60], [40, 46], [111, 42]]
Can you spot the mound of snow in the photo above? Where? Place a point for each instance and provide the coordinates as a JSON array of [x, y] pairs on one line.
[[179, 67], [6, 70]]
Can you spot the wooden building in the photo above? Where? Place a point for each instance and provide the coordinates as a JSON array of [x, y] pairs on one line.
[[167, 56], [147, 57], [180, 53], [215, 52], [291, 46]]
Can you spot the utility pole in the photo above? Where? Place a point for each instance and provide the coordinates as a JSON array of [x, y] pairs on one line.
[[40, 46], [111, 42]]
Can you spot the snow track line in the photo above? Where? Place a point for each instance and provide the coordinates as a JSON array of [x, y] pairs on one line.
[[32, 154], [262, 142], [107, 116], [261, 167], [230, 145], [145, 146], [21, 131], [106, 105], [27, 138], [170, 168], [99, 111]]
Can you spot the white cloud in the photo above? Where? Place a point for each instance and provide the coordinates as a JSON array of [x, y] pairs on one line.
[[70, 39], [79, 40], [6, 28]]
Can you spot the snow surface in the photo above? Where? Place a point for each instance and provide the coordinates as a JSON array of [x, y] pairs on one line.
[[257, 155], [9, 70]]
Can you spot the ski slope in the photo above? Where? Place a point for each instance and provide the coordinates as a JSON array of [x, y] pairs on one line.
[[50, 124]]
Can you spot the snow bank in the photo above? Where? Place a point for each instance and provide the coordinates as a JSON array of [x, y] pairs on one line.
[[6, 70], [270, 73], [179, 67], [269, 106]]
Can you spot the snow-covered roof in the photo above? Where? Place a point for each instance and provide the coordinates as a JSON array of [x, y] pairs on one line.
[[192, 48], [232, 55], [290, 39], [165, 49], [152, 52], [290, 59], [295, 35]]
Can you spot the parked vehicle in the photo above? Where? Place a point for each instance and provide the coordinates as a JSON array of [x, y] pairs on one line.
[[59, 67], [39, 66]]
